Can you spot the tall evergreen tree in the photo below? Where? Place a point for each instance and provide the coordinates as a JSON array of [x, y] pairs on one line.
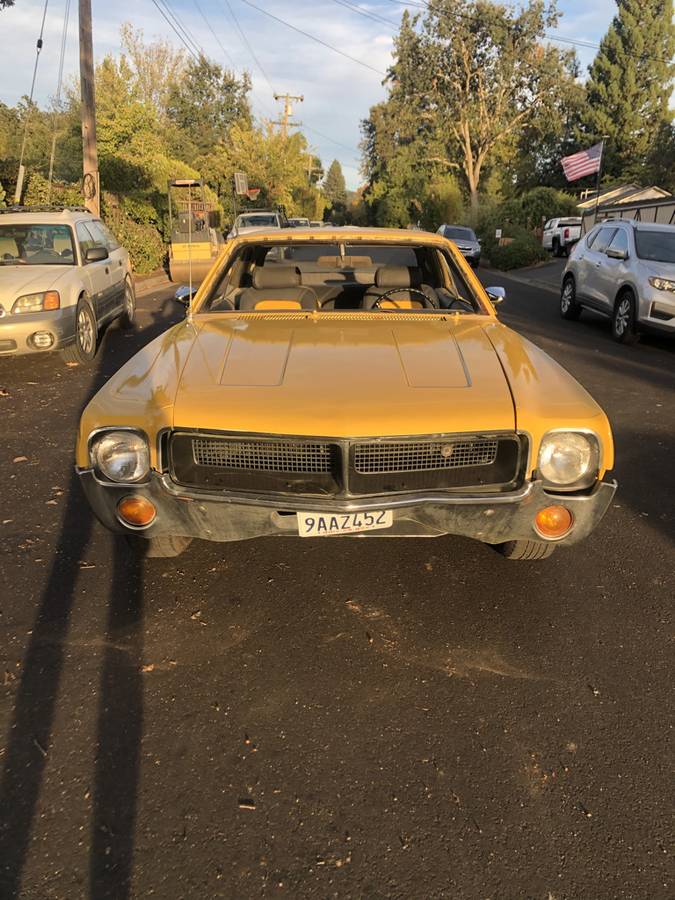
[[630, 84], [334, 186]]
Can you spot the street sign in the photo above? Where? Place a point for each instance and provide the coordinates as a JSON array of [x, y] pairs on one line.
[[240, 183], [498, 233]]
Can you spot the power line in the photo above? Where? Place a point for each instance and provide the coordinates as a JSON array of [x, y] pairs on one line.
[[187, 34], [19, 182], [248, 45], [313, 38], [174, 28], [216, 38], [59, 85], [374, 16]]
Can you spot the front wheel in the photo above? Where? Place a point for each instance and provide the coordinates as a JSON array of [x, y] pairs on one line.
[[525, 550], [129, 314], [83, 349], [163, 546], [624, 323], [569, 308]]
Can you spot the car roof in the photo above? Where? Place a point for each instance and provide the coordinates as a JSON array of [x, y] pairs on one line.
[[47, 217]]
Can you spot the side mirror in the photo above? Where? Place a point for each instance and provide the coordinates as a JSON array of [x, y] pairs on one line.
[[617, 254], [496, 294], [184, 295], [95, 254]]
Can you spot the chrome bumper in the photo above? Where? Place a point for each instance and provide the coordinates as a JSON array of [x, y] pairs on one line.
[[16, 330], [228, 517]]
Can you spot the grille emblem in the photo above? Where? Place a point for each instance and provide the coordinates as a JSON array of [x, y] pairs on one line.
[[447, 450]]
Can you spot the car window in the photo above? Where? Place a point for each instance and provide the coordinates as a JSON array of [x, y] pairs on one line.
[[603, 239], [103, 235], [36, 245], [382, 255], [259, 221], [659, 246], [457, 233], [619, 241], [85, 238], [548, 225]]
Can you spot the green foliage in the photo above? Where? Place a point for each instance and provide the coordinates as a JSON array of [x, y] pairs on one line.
[[524, 250], [131, 222], [37, 192], [2, 196], [535, 206], [630, 84], [334, 186]]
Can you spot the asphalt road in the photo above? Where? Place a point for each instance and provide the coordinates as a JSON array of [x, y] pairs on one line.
[[366, 719]]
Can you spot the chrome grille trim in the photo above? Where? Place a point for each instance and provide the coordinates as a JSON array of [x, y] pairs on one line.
[[263, 456], [423, 456]]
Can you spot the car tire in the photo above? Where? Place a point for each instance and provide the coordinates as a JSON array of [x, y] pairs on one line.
[[525, 550], [128, 317], [569, 308], [83, 349], [624, 322], [162, 547], [555, 246]]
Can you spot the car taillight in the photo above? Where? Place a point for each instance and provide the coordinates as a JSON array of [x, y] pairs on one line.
[[566, 233]]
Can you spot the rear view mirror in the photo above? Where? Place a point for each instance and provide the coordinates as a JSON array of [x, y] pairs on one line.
[[496, 294], [617, 254], [95, 254], [184, 295]]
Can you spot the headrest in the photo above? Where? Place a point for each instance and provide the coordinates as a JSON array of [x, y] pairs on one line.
[[397, 276], [271, 277]]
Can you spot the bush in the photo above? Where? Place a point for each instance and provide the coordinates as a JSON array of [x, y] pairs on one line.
[[524, 250]]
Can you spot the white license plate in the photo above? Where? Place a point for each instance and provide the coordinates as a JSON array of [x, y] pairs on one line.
[[319, 524]]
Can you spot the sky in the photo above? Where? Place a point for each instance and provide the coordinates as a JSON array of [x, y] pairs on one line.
[[337, 91]]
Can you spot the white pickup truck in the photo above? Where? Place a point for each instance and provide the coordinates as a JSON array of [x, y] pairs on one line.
[[560, 234]]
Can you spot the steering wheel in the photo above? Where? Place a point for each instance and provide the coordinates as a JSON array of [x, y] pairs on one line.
[[428, 304]]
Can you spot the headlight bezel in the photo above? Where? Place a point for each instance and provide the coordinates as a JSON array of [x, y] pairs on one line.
[[94, 442], [588, 477], [43, 296]]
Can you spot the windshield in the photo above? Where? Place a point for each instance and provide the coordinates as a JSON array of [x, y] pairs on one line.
[[257, 221], [659, 246], [36, 245], [459, 234], [346, 276]]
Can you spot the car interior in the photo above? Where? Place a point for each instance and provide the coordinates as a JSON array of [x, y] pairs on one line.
[[331, 276]]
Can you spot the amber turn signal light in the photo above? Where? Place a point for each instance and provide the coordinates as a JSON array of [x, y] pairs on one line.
[[553, 521], [136, 511], [52, 300]]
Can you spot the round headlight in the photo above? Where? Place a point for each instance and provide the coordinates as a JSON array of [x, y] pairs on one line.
[[568, 458], [121, 456]]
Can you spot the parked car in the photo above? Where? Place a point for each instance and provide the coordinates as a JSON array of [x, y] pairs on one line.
[[258, 218], [560, 235], [625, 270], [315, 223], [299, 223], [63, 276], [365, 387], [466, 240]]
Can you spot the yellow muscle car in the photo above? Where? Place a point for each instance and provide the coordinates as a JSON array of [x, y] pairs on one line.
[[350, 381]]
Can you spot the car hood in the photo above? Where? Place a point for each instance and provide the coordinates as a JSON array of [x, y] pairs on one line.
[[659, 269], [343, 376], [18, 280]]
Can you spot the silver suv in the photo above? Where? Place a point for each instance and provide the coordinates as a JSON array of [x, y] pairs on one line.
[[626, 271]]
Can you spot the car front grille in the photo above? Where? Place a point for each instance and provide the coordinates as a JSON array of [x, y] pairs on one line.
[[343, 468]]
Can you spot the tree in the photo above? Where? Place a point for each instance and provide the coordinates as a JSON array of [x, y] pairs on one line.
[[5, 3], [471, 78], [630, 84], [205, 103], [334, 186], [2, 196]]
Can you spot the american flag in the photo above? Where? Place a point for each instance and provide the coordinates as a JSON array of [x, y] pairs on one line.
[[586, 162]]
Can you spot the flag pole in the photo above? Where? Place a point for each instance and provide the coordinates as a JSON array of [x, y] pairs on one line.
[[597, 183]]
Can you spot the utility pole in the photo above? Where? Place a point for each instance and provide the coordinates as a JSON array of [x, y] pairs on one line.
[[285, 122], [90, 179], [310, 163]]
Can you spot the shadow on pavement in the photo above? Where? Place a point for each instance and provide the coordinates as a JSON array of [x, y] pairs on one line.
[[120, 718]]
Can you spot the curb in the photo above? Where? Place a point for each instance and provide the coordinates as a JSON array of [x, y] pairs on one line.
[[145, 285]]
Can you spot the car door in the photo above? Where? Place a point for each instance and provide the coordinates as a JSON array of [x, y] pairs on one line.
[[96, 275], [611, 273], [118, 263], [546, 240], [590, 261]]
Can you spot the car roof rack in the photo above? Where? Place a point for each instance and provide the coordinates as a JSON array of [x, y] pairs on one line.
[[46, 207]]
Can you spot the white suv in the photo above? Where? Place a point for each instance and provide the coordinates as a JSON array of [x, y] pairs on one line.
[[63, 275]]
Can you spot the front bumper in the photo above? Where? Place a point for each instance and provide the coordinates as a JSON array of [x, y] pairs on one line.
[[16, 331], [228, 517]]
